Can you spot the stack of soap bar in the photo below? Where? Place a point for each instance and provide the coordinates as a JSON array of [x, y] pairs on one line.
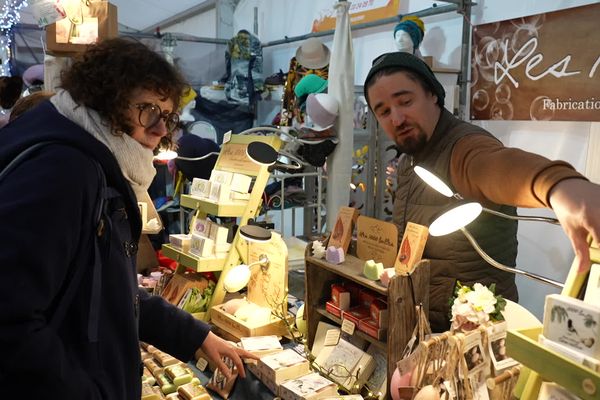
[[334, 255], [373, 270]]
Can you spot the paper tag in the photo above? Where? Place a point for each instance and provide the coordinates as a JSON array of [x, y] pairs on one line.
[[348, 327], [332, 337], [201, 364], [226, 137], [46, 12]]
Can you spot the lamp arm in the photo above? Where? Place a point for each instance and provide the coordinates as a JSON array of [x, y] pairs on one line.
[[522, 217], [212, 153], [506, 268]]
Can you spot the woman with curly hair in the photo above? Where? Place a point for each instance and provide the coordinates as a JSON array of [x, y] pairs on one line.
[[70, 308]]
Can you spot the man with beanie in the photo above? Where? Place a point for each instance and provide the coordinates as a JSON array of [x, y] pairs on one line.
[[408, 102]]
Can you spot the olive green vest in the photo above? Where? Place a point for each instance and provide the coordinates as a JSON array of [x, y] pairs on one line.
[[452, 256]]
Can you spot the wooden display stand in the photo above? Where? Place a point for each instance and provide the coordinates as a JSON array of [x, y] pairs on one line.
[[548, 365], [232, 158], [402, 316]]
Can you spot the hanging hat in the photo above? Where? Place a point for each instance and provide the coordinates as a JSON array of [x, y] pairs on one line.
[[414, 26], [313, 54], [322, 109], [408, 61], [187, 96], [310, 83]]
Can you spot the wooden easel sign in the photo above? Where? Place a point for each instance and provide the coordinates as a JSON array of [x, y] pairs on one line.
[[376, 240]]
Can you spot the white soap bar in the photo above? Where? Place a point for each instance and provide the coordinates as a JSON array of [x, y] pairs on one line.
[[200, 187], [202, 227], [573, 323], [240, 183], [221, 176], [201, 246], [219, 192], [181, 241], [219, 234]]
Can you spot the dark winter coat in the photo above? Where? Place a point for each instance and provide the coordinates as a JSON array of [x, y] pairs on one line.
[[452, 256], [47, 233]]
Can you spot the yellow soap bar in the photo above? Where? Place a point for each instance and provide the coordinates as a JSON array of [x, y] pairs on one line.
[[193, 391], [178, 374], [148, 393]]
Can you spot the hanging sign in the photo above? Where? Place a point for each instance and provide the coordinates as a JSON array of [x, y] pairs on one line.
[[544, 67], [361, 11]]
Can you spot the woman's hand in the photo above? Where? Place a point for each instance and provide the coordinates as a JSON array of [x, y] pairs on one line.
[[216, 348]]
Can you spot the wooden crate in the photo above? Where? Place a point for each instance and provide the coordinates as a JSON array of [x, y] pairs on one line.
[[402, 316]]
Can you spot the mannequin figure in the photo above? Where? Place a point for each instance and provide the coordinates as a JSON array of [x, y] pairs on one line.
[[408, 34], [188, 103]]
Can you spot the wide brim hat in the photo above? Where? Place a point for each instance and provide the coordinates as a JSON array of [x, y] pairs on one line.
[[322, 111], [313, 54]]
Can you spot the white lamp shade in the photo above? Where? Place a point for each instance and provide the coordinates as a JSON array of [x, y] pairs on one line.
[[433, 181], [455, 219], [165, 155], [237, 278]]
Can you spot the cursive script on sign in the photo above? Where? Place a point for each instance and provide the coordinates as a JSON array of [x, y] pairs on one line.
[[526, 54]]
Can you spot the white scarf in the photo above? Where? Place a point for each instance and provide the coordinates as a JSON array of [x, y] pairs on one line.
[[134, 159]]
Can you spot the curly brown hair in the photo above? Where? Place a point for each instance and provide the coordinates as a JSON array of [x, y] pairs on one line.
[[106, 74]]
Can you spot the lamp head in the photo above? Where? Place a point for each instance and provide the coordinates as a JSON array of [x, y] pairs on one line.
[[165, 155], [455, 219], [238, 277], [433, 181], [255, 233], [261, 153]]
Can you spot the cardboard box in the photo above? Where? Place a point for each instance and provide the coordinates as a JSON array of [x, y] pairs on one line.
[[411, 248], [370, 327], [98, 21], [261, 345], [181, 241], [573, 323], [366, 297], [379, 312], [274, 369], [333, 309], [239, 329], [307, 387], [355, 314], [200, 188], [340, 296], [349, 364]]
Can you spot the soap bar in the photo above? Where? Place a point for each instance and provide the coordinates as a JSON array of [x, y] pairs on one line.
[[373, 270], [240, 183], [178, 374], [387, 275], [149, 393], [200, 188], [221, 176], [193, 391], [334, 255]]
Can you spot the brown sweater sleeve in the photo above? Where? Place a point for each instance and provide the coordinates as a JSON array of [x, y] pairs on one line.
[[484, 170]]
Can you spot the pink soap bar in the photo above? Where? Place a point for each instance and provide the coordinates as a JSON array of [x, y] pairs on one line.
[[387, 275], [334, 255]]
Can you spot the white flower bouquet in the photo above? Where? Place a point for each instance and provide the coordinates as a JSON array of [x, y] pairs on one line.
[[475, 306]]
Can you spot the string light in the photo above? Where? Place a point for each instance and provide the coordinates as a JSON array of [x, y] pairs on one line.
[[9, 17]]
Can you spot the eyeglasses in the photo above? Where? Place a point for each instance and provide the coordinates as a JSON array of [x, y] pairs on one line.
[[151, 113]]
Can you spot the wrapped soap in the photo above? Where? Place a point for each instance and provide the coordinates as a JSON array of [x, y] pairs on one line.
[[178, 374], [193, 391], [219, 382]]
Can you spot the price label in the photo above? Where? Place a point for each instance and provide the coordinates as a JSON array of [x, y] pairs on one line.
[[348, 327], [332, 337], [201, 364]]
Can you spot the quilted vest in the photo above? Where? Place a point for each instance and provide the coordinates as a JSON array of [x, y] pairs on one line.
[[452, 256]]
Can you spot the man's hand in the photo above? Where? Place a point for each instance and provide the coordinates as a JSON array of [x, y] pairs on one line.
[[576, 203], [215, 348]]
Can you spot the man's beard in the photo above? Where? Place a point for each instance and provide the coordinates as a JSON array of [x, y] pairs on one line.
[[413, 144]]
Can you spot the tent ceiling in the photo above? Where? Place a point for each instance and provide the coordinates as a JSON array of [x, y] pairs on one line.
[[143, 14]]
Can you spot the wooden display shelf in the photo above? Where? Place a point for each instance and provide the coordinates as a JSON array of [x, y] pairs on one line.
[[401, 310], [199, 264], [522, 345], [232, 209], [382, 345], [352, 268]]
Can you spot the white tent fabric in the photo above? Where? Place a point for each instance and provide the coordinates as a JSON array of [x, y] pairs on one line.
[[341, 86]]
